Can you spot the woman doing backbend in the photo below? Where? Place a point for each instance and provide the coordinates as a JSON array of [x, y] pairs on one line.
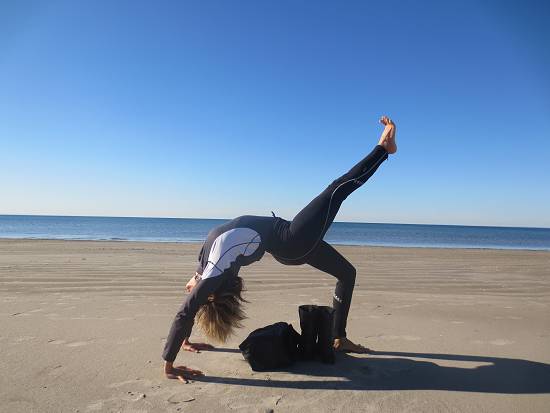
[[215, 299]]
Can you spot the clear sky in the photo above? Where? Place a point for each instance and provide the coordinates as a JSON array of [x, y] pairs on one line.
[[225, 108]]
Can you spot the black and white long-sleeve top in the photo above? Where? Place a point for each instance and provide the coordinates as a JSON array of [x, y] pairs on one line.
[[227, 248]]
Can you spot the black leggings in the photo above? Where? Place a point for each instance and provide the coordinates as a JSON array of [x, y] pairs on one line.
[[301, 240]]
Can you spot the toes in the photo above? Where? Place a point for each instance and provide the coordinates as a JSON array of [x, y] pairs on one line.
[[386, 121]]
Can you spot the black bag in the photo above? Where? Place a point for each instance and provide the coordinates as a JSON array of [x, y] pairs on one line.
[[271, 347]]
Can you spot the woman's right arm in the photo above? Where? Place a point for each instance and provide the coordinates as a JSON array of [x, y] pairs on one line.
[[184, 320]]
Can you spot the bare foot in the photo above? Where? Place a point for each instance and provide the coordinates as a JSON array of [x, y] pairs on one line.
[[345, 345], [387, 139]]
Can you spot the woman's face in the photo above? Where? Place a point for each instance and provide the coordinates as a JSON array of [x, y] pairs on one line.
[[192, 282]]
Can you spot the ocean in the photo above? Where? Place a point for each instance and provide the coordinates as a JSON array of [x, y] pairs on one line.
[[343, 233]]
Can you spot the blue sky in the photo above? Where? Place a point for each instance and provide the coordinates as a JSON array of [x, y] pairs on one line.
[[219, 109]]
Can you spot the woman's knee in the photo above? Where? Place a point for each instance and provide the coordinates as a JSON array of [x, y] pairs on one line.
[[350, 274]]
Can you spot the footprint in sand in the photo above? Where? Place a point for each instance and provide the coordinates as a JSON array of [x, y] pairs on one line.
[[123, 403], [134, 396], [180, 398]]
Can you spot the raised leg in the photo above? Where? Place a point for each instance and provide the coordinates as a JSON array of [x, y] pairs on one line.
[[310, 225], [313, 221]]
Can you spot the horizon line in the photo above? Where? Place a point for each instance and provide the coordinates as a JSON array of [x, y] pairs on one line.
[[228, 219]]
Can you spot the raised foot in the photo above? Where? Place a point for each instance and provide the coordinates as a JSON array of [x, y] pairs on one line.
[[387, 139], [345, 345]]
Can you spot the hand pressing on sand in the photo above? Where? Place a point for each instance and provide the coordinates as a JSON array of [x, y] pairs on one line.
[[182, 373], [195, 347]]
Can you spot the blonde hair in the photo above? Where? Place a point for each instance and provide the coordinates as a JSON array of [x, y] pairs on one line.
[[223, 312]]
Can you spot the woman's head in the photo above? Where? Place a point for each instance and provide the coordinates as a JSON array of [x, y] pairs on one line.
[[192, 282], [223, 312]]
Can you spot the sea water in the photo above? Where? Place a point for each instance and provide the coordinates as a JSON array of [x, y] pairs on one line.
[[344, 233]]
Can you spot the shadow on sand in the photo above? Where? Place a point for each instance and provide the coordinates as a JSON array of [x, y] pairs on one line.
[[402, 371]]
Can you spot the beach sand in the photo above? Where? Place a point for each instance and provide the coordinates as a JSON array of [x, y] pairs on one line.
[[83, 325]]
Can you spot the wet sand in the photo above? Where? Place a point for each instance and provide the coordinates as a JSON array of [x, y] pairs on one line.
[[84, 324]]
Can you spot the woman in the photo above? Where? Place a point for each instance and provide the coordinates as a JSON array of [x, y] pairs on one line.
[[215, 290]]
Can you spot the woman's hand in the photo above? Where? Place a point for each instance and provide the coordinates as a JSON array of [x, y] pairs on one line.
[[182, 373], [195, 347]]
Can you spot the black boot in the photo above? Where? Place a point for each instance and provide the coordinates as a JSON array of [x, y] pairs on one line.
[[324, 349], [309, 315]]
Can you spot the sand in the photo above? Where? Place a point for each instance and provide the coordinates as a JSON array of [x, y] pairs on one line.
[[83, 325]]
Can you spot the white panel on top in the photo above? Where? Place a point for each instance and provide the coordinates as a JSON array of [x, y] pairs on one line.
[[227, 247]]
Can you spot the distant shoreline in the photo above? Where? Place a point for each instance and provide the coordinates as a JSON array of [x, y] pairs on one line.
[[189, 230], [228, 219]]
